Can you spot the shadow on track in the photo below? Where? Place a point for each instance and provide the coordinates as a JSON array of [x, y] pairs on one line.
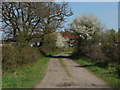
[[59, 56]]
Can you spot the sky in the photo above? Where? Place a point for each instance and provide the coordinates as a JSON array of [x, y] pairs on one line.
[[119, 14], [87, 0], [106, 12]]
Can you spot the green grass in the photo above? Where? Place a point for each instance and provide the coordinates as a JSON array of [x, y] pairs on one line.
[[108, 74], [69, 50], [53, 53], [25, 76]]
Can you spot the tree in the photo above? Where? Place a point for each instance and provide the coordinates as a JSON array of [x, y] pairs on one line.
[[19, 16], [86, 26], [61, 42], [38, 18], [55, 17], [48, 43]]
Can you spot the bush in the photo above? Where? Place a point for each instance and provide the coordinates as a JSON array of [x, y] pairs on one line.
[[49, 43], [101, 49], [28, 55], [10, 57], [14, 56]]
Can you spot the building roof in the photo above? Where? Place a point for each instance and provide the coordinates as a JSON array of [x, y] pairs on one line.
[[70, 35], [118, 40]]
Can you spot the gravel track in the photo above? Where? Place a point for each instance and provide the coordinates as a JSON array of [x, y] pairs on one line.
[[69, 74]]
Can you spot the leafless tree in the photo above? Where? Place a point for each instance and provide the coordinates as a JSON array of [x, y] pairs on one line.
[[37, 18]]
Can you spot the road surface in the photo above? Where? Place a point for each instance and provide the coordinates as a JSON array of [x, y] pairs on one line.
[[62, 72]]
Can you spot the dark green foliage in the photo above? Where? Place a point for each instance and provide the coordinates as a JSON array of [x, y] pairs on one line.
[[118, 70], [49, 43]]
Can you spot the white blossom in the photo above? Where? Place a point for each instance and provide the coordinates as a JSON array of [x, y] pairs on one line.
[[86, 26], [61, 42]]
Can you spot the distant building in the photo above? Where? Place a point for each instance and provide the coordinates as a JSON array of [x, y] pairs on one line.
[[71, 38], [1, 44], [118, 41]]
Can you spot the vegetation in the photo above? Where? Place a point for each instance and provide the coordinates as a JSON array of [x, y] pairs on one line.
[[108, 74], [28, 34], [37, 20], [99, 46], [36, 24], [61, 42], [94, 43], [25, 24], [26, 76], [86, 26], [15, 56]]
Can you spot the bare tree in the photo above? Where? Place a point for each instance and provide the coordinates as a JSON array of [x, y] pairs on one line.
[[18, 17], [37, 18]]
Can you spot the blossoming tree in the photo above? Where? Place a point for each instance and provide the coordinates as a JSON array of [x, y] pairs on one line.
[[86, 26], [61, 42]]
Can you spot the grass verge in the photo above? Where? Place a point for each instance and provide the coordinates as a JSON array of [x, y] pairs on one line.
[[26, 76], [108, 74], [53, 53], [68, 50]]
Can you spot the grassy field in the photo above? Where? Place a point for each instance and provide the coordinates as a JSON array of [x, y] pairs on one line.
[[25, 76], [108, 74]]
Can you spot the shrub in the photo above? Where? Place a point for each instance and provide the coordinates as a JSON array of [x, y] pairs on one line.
[[101, 49], [49, 43], [10, 56], [14, 56]]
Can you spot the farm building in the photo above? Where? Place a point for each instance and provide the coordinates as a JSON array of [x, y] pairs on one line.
[[71, 38]]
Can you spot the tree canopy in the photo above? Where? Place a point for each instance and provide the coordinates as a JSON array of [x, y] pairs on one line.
[[86, 26], [37, 18]]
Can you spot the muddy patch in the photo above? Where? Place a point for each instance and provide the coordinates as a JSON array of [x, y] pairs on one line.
[[66, 84]]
